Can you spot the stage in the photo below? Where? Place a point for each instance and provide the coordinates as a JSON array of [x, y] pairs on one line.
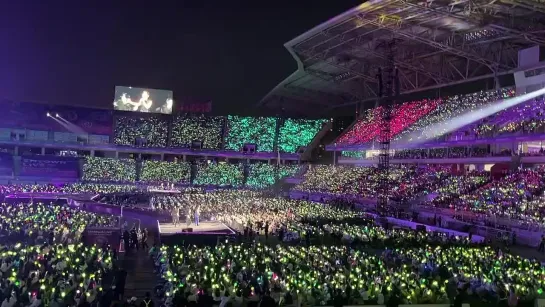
[[207, 233], [165, 191]]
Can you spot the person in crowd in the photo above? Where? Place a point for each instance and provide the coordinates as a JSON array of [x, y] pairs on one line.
[[147, 301], [145, 234], [134, 238], [204, 299], [120, 278], [188, 217], [175, 216], [267, 300], [197, 213], [266, 230]]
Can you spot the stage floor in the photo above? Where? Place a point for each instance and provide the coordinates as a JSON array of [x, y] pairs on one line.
[[208, 227]]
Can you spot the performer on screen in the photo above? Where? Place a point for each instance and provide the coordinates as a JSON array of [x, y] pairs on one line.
[[166, 108], [197, 215], [143, 105]]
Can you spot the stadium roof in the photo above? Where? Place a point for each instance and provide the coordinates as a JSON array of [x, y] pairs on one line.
[[438, 43]]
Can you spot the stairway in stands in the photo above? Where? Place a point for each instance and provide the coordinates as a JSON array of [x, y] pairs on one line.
[[140, 275]]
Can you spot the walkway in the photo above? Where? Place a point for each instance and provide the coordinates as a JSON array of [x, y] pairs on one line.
[[140, 275]]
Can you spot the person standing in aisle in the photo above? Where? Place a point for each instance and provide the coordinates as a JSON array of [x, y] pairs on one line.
[[145, 245], [197, 215], [175, 216]]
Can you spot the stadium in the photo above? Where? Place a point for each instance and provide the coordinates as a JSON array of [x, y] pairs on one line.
[[407, 168]]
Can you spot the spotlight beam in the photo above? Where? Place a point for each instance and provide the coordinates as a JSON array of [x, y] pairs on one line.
[[69, 126], [467, 118]]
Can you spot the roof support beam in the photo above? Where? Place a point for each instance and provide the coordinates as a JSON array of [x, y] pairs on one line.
[[353, 71], [291, 105], [506, 31], [366, 48], [342, 34], [318, 95], [529, 5], [324, 53], [397, 30], [312, 54], [326, 77]]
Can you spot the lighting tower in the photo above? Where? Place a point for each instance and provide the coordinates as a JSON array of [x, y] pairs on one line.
[[388, 90]]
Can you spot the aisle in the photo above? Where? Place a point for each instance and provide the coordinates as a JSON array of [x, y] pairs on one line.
[[140, 275]]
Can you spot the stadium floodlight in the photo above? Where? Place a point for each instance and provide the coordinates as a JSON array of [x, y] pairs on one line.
[[48, 115]]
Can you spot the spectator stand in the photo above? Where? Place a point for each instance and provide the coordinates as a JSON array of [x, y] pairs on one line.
[[254, 130], [141, 129], [187, 128], [97, 169]]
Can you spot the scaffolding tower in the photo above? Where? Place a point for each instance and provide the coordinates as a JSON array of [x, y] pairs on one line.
[[388, 90]]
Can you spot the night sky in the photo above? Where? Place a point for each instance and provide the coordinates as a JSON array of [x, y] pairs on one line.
[[75, 52]]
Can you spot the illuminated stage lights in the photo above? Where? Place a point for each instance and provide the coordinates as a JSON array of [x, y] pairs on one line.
[[48, 114], [57, 115]]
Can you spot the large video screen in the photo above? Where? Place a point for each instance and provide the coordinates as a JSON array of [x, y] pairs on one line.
[[143, 100]]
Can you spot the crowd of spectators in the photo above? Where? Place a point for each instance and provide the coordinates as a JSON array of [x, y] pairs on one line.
[[433, 124], [511, 196], [109, 170], [332, 179], [347, 181], [439, 153], [43, 262], [149, 131], [261, 175], [247, 208], [422, 120], [68, 188], [411, 267], [36, 223], [343, 257], [152, 131], [163, 171], [455, 186], [409, 182], [44, 258], [369, 127], [206, 129], [219, 174], [294, 133], [250, 130], [354, 154], [216, 132], [526, 117]]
